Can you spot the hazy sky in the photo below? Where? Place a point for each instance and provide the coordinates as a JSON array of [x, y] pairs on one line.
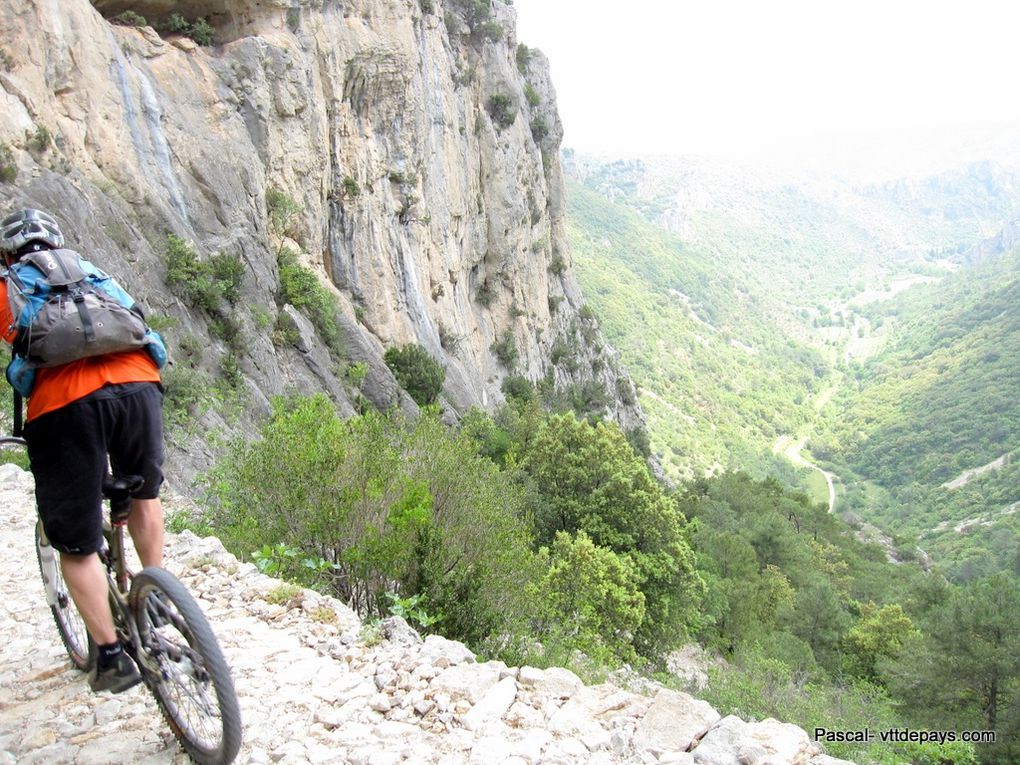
[[742, 78]]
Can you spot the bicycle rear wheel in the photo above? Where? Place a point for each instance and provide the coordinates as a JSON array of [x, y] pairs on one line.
[[80, 648], [184, 668]]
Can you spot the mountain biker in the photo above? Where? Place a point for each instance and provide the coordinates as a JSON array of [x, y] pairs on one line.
[[80, 413]]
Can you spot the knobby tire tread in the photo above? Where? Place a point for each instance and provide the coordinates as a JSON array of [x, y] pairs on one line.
[[204, 642]]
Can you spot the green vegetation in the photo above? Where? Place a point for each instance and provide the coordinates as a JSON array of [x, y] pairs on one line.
[[130, 19], [477, 14], [390, 505], [502, 109], [523, 57], [301, 287], [351, 188], [8, 167], [283, 210], [938, 401], [539, 129], [41, 139], [485, 294], [355, 507], [726, 383], [199, 30], [204, 284], [418, 372], [524, 526], [505, 349]]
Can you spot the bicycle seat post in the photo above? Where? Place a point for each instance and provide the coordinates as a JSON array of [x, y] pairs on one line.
[[118, 490]]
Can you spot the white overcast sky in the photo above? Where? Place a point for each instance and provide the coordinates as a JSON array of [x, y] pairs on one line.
[[741, 78]]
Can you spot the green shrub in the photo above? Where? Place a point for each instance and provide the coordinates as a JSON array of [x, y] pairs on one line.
[[489, 30], [502, 109], [449, 339], [227, 272], [531, 95], [130, 19], [638, 438], [558, 264], [591, 598], [282, 211], [200, 30], [177, 24], [8, 168], [505, 349], [485, 294], [356, 373], [523, 57], [387, 505], [539, 129], [41, 139], [188, 393], [351, 187], [625, 391], [589, 396], [474, 12], [300, 287], [285, 332], [203, 284], [519, 388], [417, 371]]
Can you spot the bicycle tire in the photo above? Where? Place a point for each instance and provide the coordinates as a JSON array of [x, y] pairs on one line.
[[73, 633], [183, 666]]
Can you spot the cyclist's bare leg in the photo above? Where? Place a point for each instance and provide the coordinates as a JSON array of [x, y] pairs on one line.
[[146, 527], [86, 580]]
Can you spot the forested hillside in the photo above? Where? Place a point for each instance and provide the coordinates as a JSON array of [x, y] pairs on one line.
[[934, 420], [876, 321], [733, 295], [719, 383]]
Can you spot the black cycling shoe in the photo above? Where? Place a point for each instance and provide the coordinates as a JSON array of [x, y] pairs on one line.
[[116, 678]]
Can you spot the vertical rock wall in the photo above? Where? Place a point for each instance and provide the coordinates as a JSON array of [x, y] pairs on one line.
[[422, 153]]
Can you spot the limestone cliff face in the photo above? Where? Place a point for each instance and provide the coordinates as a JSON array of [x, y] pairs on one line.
[[421, 150]]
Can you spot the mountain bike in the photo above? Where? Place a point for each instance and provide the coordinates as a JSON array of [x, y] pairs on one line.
[[161, 627]]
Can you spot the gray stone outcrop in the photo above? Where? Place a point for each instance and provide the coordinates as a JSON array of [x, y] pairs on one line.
[[433, 216]]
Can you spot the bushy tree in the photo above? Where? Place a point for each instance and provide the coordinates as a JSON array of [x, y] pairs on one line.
[[417, 371], [879, 633], [591, 598], [963, 671], [589, 480]]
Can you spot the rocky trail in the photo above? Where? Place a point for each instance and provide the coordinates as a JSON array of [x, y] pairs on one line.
[[317, 687]]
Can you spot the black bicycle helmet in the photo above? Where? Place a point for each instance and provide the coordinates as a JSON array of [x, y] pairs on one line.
[[24, 226]]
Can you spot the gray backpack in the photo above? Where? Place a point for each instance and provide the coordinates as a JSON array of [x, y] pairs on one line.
[[66, 309]]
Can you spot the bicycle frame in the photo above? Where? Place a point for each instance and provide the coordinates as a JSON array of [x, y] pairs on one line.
[[117, 579]]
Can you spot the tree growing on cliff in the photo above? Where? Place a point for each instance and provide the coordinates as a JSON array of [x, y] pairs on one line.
[[417, 371]]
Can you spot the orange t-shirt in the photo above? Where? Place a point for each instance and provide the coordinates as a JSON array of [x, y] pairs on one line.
[[58, 386]]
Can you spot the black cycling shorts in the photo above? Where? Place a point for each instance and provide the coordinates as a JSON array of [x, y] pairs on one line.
[[68, 450]]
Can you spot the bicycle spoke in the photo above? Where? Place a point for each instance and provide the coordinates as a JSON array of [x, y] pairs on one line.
[[185, 668]]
